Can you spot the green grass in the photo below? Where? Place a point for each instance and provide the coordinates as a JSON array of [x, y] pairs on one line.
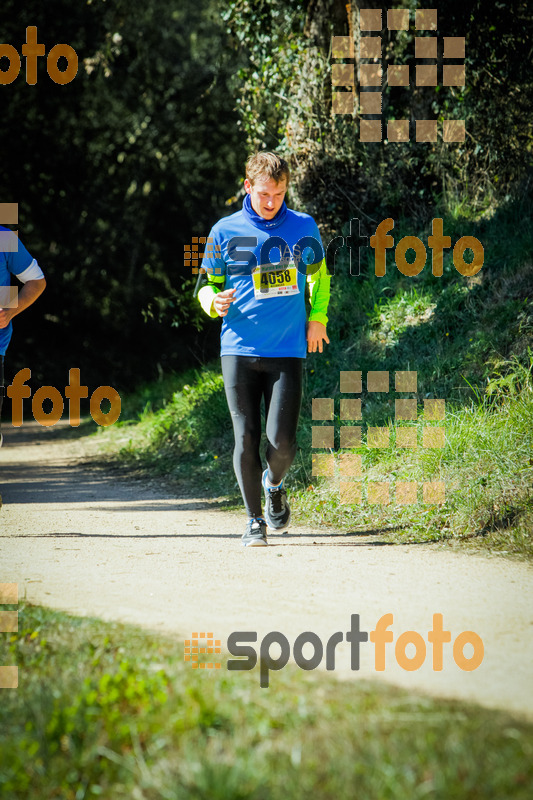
[[107, 710], [486, 466]]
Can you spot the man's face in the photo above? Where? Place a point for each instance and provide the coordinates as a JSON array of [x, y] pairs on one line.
[[266, 196]]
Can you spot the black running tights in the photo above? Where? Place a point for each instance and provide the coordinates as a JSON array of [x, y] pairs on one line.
[[246, 380]]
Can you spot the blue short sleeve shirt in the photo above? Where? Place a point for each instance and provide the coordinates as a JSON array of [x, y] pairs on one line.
[[11, 263]]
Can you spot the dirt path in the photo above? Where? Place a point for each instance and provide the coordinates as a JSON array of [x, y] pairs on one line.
[[80, 539]]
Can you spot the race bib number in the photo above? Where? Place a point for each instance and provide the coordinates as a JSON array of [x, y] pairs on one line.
[[275, 280]]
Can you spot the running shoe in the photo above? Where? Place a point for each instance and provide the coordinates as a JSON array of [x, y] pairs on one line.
[[256, 533], [277, 509]]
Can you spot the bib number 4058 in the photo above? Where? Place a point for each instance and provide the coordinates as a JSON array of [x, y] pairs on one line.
[[273, 278]]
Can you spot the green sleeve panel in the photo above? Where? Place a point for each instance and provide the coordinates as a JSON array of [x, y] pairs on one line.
[[206, 295], [319, 289]]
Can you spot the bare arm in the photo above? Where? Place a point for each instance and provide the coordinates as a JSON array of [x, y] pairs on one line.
[[27, 295]]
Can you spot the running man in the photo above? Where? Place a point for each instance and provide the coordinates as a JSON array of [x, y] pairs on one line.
[[258, 262], [15, 260]]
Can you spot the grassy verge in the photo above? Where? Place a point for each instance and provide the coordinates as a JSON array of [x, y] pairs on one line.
[[107, 710], [485, 466]]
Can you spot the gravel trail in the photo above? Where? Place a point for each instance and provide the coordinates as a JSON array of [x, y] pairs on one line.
[[80, 539]]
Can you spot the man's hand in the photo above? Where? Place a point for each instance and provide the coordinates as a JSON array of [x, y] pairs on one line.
[[316, 335], [223, 300], [6, 315]]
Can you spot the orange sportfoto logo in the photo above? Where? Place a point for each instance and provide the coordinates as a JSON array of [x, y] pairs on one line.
[[32, 50], [239, 643], [18, 390]]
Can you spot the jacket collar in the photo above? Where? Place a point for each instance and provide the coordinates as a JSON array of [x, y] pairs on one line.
[[261, 222]]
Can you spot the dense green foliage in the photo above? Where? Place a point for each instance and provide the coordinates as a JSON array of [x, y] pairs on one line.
[[117, 170], [285, 102], [114, 172]]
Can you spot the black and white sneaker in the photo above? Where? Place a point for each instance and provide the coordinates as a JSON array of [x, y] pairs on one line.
[[256, 533], [277, 509]]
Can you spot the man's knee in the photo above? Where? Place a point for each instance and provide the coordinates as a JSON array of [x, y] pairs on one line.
[[285, 446], [248, 439]]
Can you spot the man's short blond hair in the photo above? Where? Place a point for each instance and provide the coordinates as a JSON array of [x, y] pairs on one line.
[[265, 165]]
